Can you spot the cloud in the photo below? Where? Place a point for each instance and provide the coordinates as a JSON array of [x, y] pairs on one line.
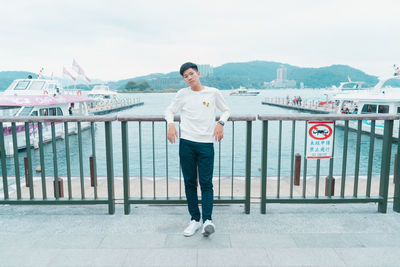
[[120, 39]]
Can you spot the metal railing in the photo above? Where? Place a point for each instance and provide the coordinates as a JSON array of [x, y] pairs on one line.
[[356, 197], [38, 127], [178, 199], [139, 183]]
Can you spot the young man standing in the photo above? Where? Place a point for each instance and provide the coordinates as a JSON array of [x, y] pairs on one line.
[[197, 106]]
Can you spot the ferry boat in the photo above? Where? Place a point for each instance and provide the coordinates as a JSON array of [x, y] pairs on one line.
[[378, 100], [244, 92], [39, 97], [101, 91]]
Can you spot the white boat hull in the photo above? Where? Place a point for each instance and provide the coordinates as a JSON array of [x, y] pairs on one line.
[[34, 134], [366, 127]]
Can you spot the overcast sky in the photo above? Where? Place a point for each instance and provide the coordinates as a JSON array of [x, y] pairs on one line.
[[118, 39]]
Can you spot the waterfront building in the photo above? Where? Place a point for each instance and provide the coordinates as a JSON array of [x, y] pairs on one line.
[[281, 80], [206, 70], [281, 74]]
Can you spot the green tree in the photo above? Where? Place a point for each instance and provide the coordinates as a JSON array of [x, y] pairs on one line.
[[131, 85], [143, 85]]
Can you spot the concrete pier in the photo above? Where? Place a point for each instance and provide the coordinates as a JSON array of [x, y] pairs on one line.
[[288, 235], [305, 106]]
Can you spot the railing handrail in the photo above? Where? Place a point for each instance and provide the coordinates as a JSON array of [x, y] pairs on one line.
[[89, 118], [102, 118], [261, 117], [343, 117], [177, 118]]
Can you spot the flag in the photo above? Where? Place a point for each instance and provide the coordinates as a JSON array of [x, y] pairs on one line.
[[77, 68], [66, 72], [40, 72]]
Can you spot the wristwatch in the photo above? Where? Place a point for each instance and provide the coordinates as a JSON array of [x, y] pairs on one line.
[[221, 122]]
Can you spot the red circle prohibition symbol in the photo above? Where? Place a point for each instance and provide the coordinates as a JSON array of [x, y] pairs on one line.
[[320, 131]]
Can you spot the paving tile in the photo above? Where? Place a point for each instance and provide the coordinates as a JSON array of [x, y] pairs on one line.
[[327, 241], [370, 256], [21, 224], [27, 257], [233, 257], [216, 240], [377, 240], [89, 257], [72, 241], [161, 257], [304, 257], [253, 240], [21, 241], [147, 240]]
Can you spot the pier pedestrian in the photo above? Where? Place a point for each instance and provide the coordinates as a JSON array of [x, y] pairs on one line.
[[197, 106]]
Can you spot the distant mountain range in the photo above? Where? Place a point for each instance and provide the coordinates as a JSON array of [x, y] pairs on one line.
[[253, 74]]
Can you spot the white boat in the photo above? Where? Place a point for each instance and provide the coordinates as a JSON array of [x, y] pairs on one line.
[[39, 97], [244, 92], [348, 86], [101, 91], [378, 100]]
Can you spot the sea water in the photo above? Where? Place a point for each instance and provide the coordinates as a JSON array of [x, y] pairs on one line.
[[231, 151]]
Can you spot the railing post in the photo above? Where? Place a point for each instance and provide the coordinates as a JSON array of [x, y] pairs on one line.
[[248, 167], [297, 169], [29, 156], [264, 157], [396, 201], [395, 168], [110, 168], [55, 165], [16, 160], [125, 166], [3, 162], [396, 179], [385, 165]]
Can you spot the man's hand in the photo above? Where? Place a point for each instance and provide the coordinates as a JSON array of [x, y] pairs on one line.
[[172, 133], [219, 132]]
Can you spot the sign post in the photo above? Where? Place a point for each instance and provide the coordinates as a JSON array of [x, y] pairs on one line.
[[319, 139]]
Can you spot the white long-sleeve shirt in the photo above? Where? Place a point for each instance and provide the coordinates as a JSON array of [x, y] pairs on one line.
[[198, 112]]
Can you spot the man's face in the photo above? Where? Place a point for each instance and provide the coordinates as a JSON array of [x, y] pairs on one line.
[[191, 77]]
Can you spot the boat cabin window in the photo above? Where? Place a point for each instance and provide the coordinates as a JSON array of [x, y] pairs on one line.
[[398, 109], [25, 111], [43, 112], [52, 112], [383, 109], [9, 111], [21, 85], [51, 86], [368, 108], [35, 113], [59, 112], [37, 85]]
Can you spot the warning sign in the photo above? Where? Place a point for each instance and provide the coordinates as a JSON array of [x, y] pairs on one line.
[[319, 139]]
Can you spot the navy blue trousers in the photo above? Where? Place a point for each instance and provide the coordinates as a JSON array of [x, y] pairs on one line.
[[198, 158]]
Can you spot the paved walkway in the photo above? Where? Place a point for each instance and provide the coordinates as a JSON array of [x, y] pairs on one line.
[[289, 235]]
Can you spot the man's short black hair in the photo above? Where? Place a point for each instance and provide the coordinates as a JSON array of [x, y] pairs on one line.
[[186, 66]]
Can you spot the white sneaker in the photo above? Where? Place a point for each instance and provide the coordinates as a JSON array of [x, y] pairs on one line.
[[192, 228], [208, 228]]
